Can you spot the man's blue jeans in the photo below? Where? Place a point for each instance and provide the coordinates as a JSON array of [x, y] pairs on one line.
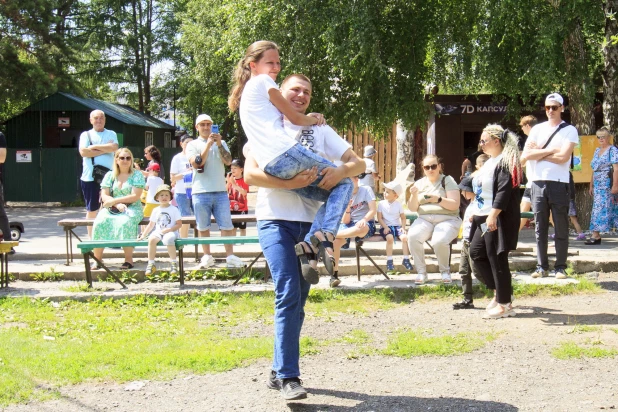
[[297, 159], [277, 239]]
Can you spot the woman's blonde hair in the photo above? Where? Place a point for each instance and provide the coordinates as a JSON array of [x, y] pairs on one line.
[[510, 150], [115, 168], [242, 74]]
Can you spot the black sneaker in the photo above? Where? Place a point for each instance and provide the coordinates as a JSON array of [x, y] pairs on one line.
[[464, 304], [273, 382], [334, 281], [346, 245], [292, 389]]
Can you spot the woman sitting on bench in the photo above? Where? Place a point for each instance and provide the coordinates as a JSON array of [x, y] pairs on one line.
[[122, 212]]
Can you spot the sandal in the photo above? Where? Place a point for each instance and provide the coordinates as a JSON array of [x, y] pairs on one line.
[[95, 266], [327, 258], [126, 265], [310, 274]]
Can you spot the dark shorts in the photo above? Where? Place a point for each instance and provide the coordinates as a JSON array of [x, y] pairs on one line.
[[92, 195], [395, 231], [371, 224], [239, 225]]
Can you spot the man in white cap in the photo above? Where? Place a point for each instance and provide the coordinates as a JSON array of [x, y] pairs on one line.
[[208, 155], [371, 173], [548, 153]]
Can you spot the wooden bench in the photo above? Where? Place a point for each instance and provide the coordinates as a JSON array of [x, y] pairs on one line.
[[88, 247], [69, 225]]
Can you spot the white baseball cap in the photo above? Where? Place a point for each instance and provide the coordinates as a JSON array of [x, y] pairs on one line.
[[555, 97], [201, 118], [369, 151], [395, 187]]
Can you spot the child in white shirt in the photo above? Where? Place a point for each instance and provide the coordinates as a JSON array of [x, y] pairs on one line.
[[152, 183], [165, 220], [392, 220]]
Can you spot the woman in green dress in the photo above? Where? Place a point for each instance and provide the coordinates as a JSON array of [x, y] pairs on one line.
[[121, 214]]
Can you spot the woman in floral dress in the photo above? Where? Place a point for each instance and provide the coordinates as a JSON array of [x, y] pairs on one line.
[[122, 212], [603, 187]]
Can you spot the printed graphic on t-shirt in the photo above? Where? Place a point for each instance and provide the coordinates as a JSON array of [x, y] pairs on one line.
[[164, 221], [358, 205], [307, 139]]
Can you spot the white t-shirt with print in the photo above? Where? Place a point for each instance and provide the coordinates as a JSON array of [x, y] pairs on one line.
[[483, 186], [153, 183], [165, 218], [360, 203], [279, 204], [542, 169], [391, 212], [262, 121], [180, 165], [370, 169]]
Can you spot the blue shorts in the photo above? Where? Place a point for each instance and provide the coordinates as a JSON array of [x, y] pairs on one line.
[[371, 224], [215, 204], [395, 231], [92, 195], [184, 204]]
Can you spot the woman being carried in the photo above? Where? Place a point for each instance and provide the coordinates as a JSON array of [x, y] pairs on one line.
[[261, 106]]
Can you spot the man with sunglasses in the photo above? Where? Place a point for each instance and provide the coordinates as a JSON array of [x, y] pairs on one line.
[[548, 153]]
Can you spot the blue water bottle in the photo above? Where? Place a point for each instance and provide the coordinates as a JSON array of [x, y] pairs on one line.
[[188, 180]]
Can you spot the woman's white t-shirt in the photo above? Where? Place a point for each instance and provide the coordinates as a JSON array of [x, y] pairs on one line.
[[483, 186], [180, 165], [262, 121]]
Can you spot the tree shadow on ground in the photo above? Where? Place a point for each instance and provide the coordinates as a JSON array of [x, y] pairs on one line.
[[397, 403]]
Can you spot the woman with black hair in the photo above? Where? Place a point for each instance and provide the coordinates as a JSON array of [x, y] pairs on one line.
[[153, 155], [495, 224]]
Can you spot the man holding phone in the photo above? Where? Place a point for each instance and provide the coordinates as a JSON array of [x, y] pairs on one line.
[[209, 155]]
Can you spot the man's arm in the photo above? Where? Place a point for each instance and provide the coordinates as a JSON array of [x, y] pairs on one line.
[[104, 148], [464, 167], [563, 155], [256, 177], [2, 154], [226, 156]]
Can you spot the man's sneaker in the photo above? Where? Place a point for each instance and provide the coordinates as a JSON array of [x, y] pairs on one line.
[[446, 278], [420, 278], [407, 264], [559, 274], [273, 382], [334, 281], [539, 273], [206, 262], [173, 268], [151, 269], [234, 262], [292, 389], [390, 266]]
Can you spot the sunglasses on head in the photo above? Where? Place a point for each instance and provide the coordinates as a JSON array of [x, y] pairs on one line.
[[553, 107], [124, 157], [431, 167]]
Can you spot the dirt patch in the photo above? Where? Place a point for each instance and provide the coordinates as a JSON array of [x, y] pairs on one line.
[[515, 372]]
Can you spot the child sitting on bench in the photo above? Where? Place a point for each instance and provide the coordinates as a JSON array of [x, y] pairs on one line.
[[392, 220], [166, 221]]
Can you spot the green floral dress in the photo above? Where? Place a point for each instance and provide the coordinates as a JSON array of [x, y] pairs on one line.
[[109, 226]]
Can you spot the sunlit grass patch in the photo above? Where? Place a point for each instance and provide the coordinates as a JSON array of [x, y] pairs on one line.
[[409, 343], [571, 350], [583, 285], [584, 329]]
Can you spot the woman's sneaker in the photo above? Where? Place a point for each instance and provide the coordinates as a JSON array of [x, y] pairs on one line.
[[420, 278], [446, 278], [206, 262]]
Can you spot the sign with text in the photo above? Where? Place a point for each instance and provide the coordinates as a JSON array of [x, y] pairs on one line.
[[64, 122], [23, 156], [470, 108]]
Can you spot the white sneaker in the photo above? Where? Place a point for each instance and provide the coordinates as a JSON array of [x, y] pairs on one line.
[[173, 268], [234, 262], [446, 278], [206, 262], [420, 278]]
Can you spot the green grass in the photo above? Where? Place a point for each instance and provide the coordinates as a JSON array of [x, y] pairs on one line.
[[571, 350], [82, 287], [410, 343], [584, 329]]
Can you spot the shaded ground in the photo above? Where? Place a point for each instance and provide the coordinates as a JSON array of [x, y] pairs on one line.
[[516, 372]]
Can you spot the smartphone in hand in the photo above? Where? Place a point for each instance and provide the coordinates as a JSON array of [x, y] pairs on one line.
[[214, 128], [483, 229]]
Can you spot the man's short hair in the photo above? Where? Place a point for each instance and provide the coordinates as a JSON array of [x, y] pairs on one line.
[[94, 112], [529, 120], [295, 75]]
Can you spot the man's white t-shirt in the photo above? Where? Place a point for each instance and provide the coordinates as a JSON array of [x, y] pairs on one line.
[[370, 169], [212, 179], [153, 183], [542, 169], [279, 204], [180, 165], [165, 218], [262, 121], [391, 212]]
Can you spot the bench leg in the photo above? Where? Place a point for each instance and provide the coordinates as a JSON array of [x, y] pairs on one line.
[[196, 234], [358, 269], [66, 240], [181, 266], [109, 272], [372, 261], [88, 272], [247, 269]]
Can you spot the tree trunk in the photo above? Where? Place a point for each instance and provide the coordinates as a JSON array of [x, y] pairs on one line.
[[405, 147], [610, 58], [137, 69], [579, 84]]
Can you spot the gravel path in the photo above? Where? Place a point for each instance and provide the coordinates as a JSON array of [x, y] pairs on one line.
[[516, 372]]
